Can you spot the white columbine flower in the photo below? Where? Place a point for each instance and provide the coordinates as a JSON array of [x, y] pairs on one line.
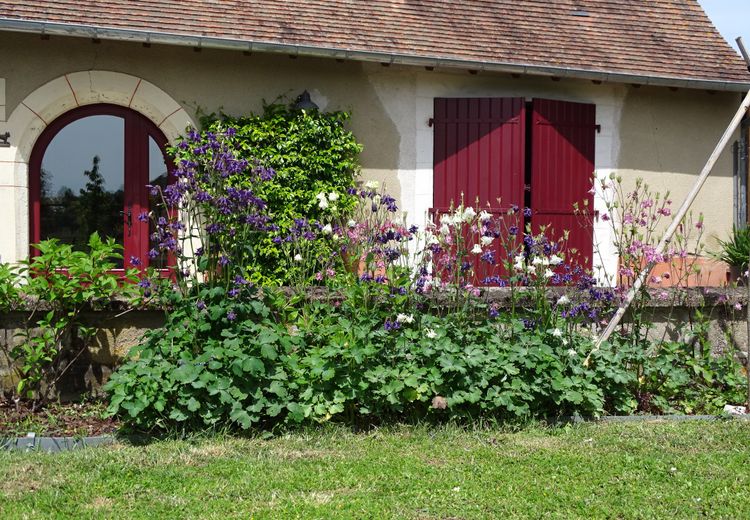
[[333, 196], [351, 224], [531, 269], [431, 334], [563, 300], [486, 240], [444, 229], [484, 216], [372, 185], [405, 318], [327, 229], [557, 333], [555, 260], [477, 249], [537, 261], [298, 257], [572, 352], [548, 273], [469, 214], [322, 201]]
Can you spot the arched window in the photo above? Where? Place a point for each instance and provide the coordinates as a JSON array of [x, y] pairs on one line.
[[88, 172]]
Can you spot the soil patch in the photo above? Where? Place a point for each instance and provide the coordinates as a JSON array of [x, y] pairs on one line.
[[85, 419]]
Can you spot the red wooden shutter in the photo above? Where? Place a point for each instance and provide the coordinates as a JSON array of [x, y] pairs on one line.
[[562, 165], [479, 158], [478, 152]]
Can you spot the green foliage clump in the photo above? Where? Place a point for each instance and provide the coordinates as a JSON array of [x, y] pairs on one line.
[[56, 286], [735, 251], [311, 153], [369, 357]]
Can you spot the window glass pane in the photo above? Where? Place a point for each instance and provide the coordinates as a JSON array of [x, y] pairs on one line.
[[82, 181], [157, 176]]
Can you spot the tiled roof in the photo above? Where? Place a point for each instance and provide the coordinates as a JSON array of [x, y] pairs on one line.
[[652, 38]]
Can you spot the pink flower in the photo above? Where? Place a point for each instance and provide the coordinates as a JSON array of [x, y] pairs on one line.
[[665, 211], [738, 306], [699, 224], [318, 276], [656, 279], [627, 219], [605, 217], [647, 203], [330, 273]]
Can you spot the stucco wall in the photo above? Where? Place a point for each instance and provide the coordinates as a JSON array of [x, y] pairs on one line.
[[659, 134], [666, 138]]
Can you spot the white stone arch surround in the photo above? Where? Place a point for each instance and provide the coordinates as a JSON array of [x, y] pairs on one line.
[[44, 105]]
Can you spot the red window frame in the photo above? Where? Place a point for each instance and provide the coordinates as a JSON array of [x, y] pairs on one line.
[[138, 129]]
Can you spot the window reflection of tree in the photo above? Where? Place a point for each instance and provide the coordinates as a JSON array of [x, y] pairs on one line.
[[158, 210], [72, 219]]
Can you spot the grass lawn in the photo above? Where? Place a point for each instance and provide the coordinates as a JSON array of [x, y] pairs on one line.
[[642, 470]]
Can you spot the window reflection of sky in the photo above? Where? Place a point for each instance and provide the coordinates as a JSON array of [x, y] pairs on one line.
[[72, 151]]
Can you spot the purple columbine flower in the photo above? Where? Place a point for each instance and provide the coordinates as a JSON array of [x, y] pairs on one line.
[[200, 305], [134, 260], [231, 315], [223, 260], [526, 212], [391, 325], [143, 216]]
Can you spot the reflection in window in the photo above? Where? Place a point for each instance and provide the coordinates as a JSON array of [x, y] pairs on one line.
[[82, 182], [157, 176]]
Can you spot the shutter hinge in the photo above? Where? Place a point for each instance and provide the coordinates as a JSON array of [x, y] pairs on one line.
[[598, 129], [431, 121]]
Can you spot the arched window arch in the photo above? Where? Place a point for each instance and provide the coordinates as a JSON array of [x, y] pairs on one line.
[[88, 171]]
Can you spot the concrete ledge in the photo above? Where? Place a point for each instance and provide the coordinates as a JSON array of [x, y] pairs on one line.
[[53, 444]]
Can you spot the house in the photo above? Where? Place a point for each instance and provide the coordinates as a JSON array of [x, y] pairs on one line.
[[494, 99]]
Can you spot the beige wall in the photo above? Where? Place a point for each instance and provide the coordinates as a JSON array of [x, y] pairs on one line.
[[659, 134], [666, 138]]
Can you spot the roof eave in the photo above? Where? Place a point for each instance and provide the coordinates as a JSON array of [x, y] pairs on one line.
[[165, 38]]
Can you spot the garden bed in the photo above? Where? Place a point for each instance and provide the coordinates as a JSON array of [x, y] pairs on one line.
[[55, 420]]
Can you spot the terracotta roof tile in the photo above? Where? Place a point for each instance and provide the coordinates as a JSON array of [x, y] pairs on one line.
[[654, 38]]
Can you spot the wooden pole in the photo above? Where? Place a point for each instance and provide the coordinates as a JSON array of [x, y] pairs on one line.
[[679, 216]]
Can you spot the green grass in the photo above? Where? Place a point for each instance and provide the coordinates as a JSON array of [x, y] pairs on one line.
[[643, 470]]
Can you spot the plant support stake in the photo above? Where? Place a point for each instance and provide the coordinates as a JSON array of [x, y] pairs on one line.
[[679, 216]]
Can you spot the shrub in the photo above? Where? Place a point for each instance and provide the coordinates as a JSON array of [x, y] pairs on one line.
[[311, 154], [59, 284]]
